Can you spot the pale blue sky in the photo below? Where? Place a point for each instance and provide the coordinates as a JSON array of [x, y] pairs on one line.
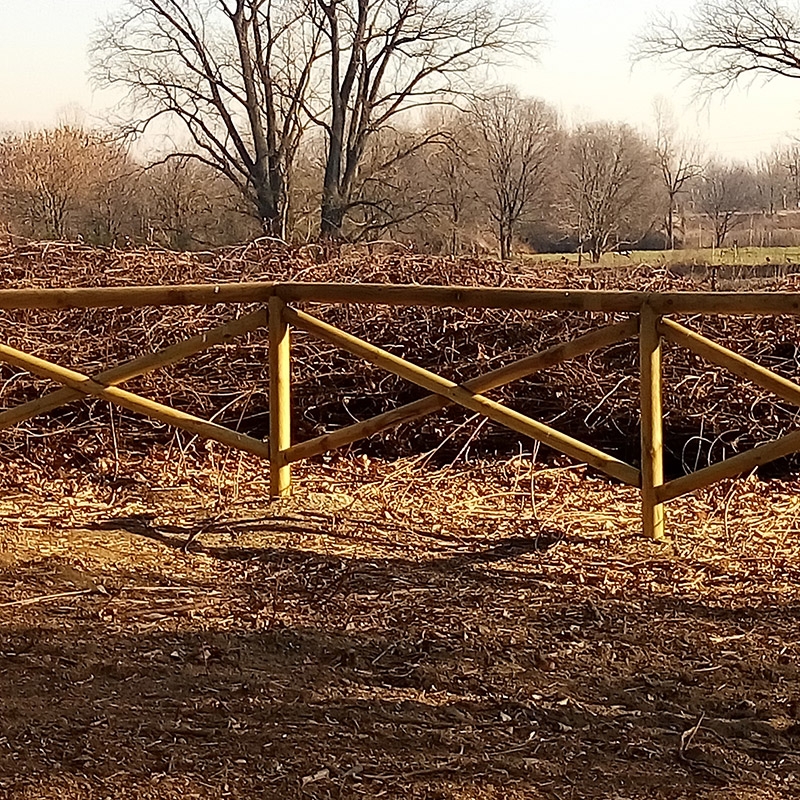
[[584, 71]]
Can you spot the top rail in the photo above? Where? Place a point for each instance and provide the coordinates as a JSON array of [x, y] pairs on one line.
[[191, 294], [756, 303]]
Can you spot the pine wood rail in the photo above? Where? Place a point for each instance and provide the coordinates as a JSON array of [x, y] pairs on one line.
[[769, 303], [557, 354], [464, 397], [139, 366], [86, 385], [647, 321]]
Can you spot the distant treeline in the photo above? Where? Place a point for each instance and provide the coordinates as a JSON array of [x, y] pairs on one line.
[[503, 174]]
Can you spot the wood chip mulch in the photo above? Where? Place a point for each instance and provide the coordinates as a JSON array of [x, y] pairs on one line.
[[489, 630]]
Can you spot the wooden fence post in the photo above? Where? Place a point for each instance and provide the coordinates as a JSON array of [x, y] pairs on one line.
[[280, 401], [652, 422]]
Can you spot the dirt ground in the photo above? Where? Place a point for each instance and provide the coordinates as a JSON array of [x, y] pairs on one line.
[[487, 631]]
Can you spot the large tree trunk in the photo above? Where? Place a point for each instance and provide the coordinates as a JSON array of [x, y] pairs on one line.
[[270, 213], [332, 217], [671, 223], [720, 231], [455, 218], [505, 241], [332, 209], [337, 185]]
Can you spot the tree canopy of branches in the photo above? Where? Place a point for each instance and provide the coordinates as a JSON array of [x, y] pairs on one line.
[[520, 146], [187, 205], [233, 73], [245, 77], [725, 191], [65, 182], [391, 185], [609, 172], [771, 180], [789, 159], [450, 166], [724, 41], [436, 185], [387, 57]]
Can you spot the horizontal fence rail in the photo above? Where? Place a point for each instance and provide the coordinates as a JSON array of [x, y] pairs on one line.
[[755, 303], [648, 322]]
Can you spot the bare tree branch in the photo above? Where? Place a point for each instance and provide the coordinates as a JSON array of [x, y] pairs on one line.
[[228, 72], [725, 41]]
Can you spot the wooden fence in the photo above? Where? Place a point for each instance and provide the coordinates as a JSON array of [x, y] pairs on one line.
[[648, 319]]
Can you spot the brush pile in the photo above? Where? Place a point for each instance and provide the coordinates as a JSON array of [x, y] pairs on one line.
[[709, 413]]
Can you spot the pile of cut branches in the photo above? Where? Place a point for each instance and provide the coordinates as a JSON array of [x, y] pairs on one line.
[[709, 413]]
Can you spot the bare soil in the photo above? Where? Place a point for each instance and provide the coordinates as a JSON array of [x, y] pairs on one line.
[[486, 631]]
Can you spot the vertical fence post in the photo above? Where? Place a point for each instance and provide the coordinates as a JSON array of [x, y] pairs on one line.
[[652, 422], [280, 408]]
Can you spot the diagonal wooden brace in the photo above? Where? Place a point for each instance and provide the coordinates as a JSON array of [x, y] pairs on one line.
[[733, 362], [749, 370], [464, 397], [139, 366], [730, 467], [84, 385], [530, 365]]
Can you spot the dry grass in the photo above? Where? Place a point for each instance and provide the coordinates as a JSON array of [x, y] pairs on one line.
[[774, 262], [493, 630]]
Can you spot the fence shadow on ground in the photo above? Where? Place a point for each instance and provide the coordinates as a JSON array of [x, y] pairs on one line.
[[454, 675]]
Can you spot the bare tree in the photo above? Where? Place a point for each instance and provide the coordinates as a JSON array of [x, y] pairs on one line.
[[790, 160], [679, 162], [520, 142], [41, 178], [724, 41], [724, 193], [438, 179], [234, 75], [64, 182], [191, 206], [771, 179], [392, 191], [385, 58], [609, 187], [450, 168]]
